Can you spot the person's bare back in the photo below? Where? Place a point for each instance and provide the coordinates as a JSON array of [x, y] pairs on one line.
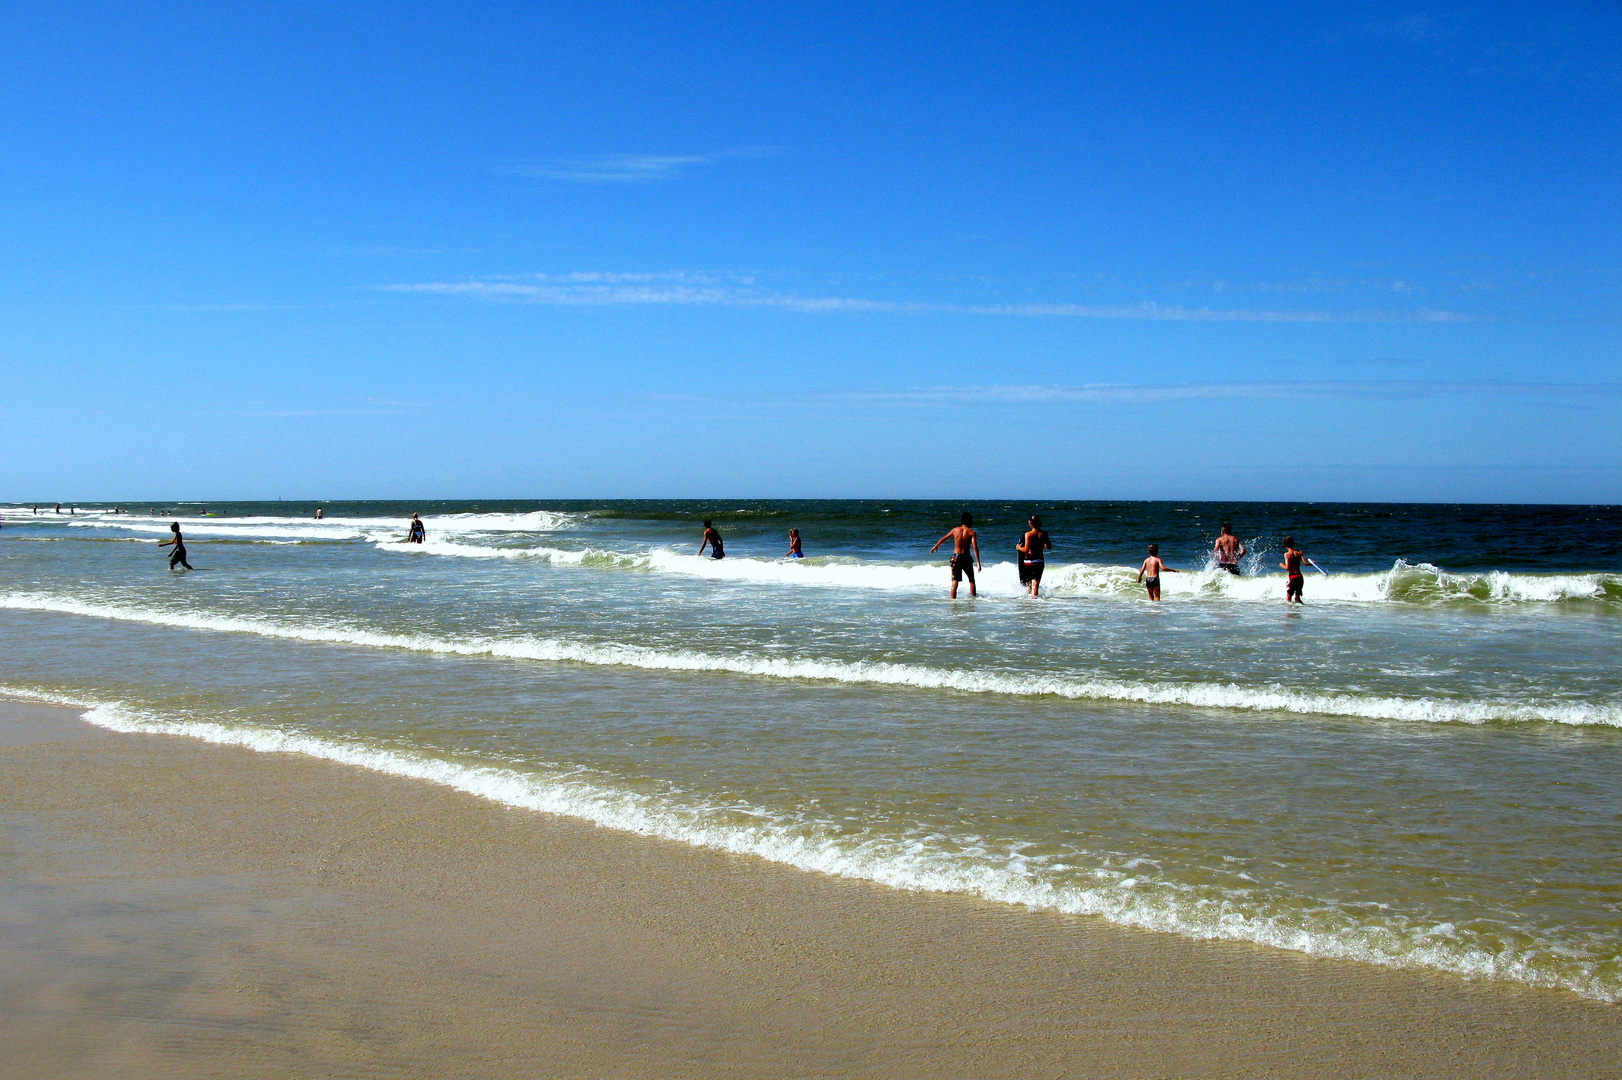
[[964, 541], [1228, 550], [1149, 573]]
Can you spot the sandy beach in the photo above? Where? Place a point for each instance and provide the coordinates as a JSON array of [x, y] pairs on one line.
[[172, 908]]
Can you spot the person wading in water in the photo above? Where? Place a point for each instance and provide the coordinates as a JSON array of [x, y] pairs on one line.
[[712, 540], [1228, 550], [178, 555], [963, 538], [1033, 555]]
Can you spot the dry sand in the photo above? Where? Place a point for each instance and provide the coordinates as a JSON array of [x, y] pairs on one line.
[[174, 909]]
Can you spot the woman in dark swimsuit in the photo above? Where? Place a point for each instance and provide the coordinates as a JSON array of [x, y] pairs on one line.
[[177, 557], [1033, 555]]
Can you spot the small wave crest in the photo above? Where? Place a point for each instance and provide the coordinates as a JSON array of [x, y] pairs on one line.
[[1404, 583], [1208, 695], [1105, 887], [331, 528]]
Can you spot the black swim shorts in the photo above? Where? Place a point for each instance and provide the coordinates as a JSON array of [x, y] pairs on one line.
[[1294, 586], [963, 564], [1230, 567], [1030, 571]]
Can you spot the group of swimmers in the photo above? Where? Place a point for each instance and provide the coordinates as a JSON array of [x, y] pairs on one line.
[[1032, 550], [1036, 543]]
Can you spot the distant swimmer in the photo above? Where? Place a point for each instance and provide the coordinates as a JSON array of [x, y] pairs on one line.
[[964, 539], [1293, 558], [319, 513], [416, 534], [58, 508], [1033, 551], [178, 555], [712, 540], [1149, 573], [1228, 550], [794, 551]]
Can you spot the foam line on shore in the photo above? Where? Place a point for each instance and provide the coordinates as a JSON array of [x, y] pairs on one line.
[[1119, 896], [1271, 698]]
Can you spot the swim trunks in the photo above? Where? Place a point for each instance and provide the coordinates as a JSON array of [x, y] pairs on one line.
[[1030, 570], [1151, 583], [963, 564], [1230, 567], [1293, 588]]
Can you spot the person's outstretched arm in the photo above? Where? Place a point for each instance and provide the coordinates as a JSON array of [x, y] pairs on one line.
[[939, 542]]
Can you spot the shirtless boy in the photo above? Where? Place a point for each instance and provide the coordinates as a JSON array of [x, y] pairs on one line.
[[179, 554], [1033, 555], [1228, 550], [794, 551], [1293, 559], [712, 540], [1149, 573], [963, 539]]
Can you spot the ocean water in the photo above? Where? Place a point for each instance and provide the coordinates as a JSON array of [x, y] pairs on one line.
[[1421, 767]]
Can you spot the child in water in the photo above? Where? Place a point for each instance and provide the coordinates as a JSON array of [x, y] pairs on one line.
[[1149, 572], [794, 551], [1293, 558]]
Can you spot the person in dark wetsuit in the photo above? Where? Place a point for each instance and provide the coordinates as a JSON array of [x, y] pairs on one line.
[[1293, 559], [178, 555], [1032, 555], [712, 540], [416, 534]]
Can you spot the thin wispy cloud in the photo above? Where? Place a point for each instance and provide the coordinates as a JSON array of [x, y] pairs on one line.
[[371, 407], [208, 308], [738, 291], [1387, 389], [622, 168]]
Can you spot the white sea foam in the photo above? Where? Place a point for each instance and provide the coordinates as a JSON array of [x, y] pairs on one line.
[[1255, 698], [940, 864], [1404, 583]]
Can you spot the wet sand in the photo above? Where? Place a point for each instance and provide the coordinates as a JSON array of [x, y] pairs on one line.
[[174, 909]]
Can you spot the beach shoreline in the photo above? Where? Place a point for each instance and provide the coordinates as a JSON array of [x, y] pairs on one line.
[[176, 908]]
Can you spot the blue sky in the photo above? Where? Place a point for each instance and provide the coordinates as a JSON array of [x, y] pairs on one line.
[[545, 250]]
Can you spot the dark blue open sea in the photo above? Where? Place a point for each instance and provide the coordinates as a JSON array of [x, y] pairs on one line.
[[1421, 767]]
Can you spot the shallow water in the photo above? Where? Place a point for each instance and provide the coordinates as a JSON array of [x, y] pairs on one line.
[[1420, 767]]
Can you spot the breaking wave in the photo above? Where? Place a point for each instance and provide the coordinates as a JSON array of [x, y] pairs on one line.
[[1079, 687]]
